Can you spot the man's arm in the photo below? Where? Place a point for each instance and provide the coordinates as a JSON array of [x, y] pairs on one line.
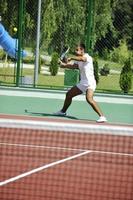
[[68, 65], [78, 58]]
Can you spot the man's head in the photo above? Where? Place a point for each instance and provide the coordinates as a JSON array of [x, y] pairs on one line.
[[80, 49]]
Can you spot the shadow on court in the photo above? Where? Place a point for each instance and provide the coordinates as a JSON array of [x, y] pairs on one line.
[[50, 115]]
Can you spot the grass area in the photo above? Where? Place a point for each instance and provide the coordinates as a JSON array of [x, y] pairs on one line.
[[48, 80], [111, 65], [108, 83], [7, 75]]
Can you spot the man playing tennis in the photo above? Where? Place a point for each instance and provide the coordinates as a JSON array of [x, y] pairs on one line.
[[87, 84]]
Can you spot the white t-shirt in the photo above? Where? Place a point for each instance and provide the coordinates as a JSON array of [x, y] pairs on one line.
[[86, 70]]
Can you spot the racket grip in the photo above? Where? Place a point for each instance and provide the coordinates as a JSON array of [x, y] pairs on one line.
[[64, 59]]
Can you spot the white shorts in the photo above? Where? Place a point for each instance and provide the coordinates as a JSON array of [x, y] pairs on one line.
[[84, 87]]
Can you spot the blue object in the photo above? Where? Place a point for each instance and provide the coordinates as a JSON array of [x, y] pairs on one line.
[[9, 44]]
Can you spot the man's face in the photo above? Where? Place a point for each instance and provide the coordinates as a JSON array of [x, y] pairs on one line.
[[79, 51]]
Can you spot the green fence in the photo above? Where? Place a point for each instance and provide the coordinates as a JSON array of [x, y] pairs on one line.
[[48, 26]]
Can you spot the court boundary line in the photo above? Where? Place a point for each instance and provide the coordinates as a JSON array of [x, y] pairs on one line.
[[66, 149], [36, 118], [38, 169], [60, 96], [68, 127], [41, 146]]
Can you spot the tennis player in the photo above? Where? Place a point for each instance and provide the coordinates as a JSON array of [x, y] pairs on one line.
[[82, 61]]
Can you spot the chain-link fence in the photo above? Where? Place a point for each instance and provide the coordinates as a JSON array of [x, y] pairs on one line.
[[63, 24], [8, 33]]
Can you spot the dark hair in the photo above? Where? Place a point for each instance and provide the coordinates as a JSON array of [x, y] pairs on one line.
[[82, 46]]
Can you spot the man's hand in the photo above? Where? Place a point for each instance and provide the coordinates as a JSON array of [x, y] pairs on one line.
[[69, 59], [62, 64]]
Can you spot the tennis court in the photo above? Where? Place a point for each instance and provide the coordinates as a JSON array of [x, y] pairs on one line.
[[48, 157], [64, 158], [43, 103], [44, 159]]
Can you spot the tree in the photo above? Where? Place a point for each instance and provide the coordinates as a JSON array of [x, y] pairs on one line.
[[104, 28], [9, 13], [123, 15], [113, 23], [54, 65], [63, 24], [126, 77]]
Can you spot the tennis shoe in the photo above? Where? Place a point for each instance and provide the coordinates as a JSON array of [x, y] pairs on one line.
[[60, 113], [101, 119]]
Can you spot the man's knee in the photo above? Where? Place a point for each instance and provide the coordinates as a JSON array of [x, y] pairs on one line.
[[90, 100], [69, 95]]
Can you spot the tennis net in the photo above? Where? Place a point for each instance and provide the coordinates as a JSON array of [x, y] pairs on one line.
[[65, 161]]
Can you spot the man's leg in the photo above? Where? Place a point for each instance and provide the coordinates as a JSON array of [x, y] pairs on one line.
[[74, 91], [91, 101]]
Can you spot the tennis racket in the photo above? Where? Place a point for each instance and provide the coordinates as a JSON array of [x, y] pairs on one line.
[[63, 56]]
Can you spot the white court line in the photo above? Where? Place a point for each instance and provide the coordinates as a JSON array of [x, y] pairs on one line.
[[113, 153], [66, 149], [41, 147], [61, 96], [42, 168]]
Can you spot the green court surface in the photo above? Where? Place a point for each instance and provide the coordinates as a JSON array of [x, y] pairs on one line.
[[43, 103]]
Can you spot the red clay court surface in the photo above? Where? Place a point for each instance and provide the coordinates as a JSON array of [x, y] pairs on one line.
[[39, 164]]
